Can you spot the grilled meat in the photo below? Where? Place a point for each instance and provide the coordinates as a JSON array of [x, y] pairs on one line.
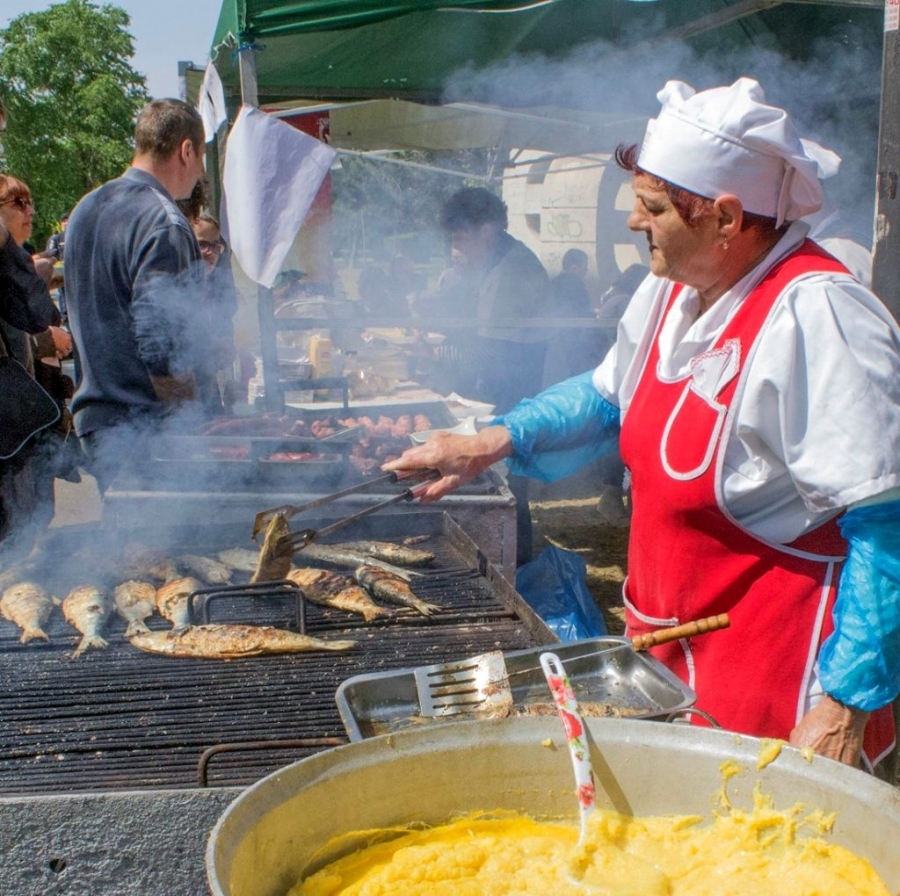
[[338, 555], [29, 607], [329, 589], [275, 556], [392, 588], [227, 642], [87, 607], [242, 559], [172, 600], [389, 552], [135, 601], [213, 572]]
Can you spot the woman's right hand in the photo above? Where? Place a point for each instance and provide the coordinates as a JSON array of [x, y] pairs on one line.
[[459, 459]]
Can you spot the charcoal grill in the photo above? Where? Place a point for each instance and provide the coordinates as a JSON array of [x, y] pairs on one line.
[[122, 719]]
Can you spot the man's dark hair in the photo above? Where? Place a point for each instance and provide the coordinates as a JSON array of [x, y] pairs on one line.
[[192, 207], [470, 208], [574, 258], [163, 125]]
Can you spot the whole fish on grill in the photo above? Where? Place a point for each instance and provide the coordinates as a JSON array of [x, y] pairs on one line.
[[389, 552], [391, 588], [336, 555], [142, 562], [241, 559], [135, 601], [330, 589], [87, 607], [172, 600], [275, 556], [227, 642], [29, 607], [213, 572]]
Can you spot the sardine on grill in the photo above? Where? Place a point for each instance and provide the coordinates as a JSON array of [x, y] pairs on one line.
[[213, 572], [172, 600], [241, 559], [330, 589], [225, 642], [142, 562], [389, 552], [135, 601], [391, 588], [87, 607], [338, 555], [29, 606], [275, 556]]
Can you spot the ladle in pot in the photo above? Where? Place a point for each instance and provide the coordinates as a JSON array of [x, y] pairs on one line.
[[567, 707]]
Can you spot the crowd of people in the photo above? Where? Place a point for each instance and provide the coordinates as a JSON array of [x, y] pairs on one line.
[[145, 300]]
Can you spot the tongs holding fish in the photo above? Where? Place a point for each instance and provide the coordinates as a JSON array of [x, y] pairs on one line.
[[264, 517], [303, 537]]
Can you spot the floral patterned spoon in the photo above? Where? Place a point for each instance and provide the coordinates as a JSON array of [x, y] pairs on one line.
[[567, 706]]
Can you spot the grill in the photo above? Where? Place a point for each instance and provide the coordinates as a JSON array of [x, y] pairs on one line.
[[119, 718]]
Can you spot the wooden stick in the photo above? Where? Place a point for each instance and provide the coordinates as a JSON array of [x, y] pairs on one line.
[[688, 630]]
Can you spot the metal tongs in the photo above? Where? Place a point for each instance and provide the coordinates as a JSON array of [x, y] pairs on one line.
[[305, 536]]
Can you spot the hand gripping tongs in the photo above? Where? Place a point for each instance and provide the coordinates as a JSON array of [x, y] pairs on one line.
[[303, 537]]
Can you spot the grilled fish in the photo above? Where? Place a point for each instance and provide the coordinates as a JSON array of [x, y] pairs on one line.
[[213, 572], [143, 562], [87, 607], [29, 607], [337, 555], [329, 589], [135, 601], [275, 557], [392, 588], [242, 559], [401, 555], [172, 600], [225, 642]]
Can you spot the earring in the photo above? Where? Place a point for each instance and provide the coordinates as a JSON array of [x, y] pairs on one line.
[[725, 245]]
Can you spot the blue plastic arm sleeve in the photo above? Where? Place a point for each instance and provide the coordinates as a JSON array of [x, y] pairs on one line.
[[859, 663], [561, 430]]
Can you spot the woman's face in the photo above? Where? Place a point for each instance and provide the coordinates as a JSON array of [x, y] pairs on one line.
[[210, 242], [685, 254], [17, 213]]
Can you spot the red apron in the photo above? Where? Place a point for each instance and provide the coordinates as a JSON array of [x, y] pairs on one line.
[[688, 558]]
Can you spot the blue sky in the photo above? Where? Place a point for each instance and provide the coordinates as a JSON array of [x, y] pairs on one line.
[[164, 31]]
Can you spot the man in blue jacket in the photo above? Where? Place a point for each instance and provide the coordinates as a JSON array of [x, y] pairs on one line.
[[131, 279]]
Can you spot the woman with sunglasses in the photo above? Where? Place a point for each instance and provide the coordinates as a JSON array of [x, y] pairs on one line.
[[27, 478], [218, 305]]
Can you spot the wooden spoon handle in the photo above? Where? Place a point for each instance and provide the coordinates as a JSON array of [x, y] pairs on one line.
[[688, 630]]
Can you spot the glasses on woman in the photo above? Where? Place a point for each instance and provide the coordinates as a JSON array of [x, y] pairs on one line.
[[19, 202], [216, 246]]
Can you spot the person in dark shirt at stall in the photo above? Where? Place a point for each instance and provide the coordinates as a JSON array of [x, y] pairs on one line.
[[132, 279]]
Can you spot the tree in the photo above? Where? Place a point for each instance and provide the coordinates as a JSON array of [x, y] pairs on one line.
[[72, 98]]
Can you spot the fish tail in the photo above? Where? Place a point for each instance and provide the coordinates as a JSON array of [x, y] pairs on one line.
[[136, 627], [89, 641], [33, 634], [376, 612], [338, 645]]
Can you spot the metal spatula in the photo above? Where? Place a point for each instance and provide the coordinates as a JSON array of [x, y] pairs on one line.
[[477, 683]]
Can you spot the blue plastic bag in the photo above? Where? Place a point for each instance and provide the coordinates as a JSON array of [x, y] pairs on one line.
[[553, 585]]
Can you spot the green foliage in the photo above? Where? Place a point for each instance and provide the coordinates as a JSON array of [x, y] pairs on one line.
[[72, 98]]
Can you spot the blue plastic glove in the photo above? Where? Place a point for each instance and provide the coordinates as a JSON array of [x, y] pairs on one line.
[[859, 663], [561, 430]]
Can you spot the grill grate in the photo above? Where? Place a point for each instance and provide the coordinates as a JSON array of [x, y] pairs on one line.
[[122, 719]]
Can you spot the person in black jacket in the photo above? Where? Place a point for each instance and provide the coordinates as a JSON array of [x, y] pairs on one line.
[[25, 305]]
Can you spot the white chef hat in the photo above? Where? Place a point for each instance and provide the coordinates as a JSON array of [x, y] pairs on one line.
[[728, 140]]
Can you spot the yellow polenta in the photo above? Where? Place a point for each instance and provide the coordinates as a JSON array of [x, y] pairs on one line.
[[740, 853]]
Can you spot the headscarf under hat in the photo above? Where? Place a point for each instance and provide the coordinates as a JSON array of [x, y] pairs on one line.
[[728, 140]]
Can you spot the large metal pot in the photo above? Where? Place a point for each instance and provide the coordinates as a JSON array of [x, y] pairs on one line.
[[267, 837]]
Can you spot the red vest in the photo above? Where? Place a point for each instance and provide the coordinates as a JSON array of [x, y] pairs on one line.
[[688, 558]]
